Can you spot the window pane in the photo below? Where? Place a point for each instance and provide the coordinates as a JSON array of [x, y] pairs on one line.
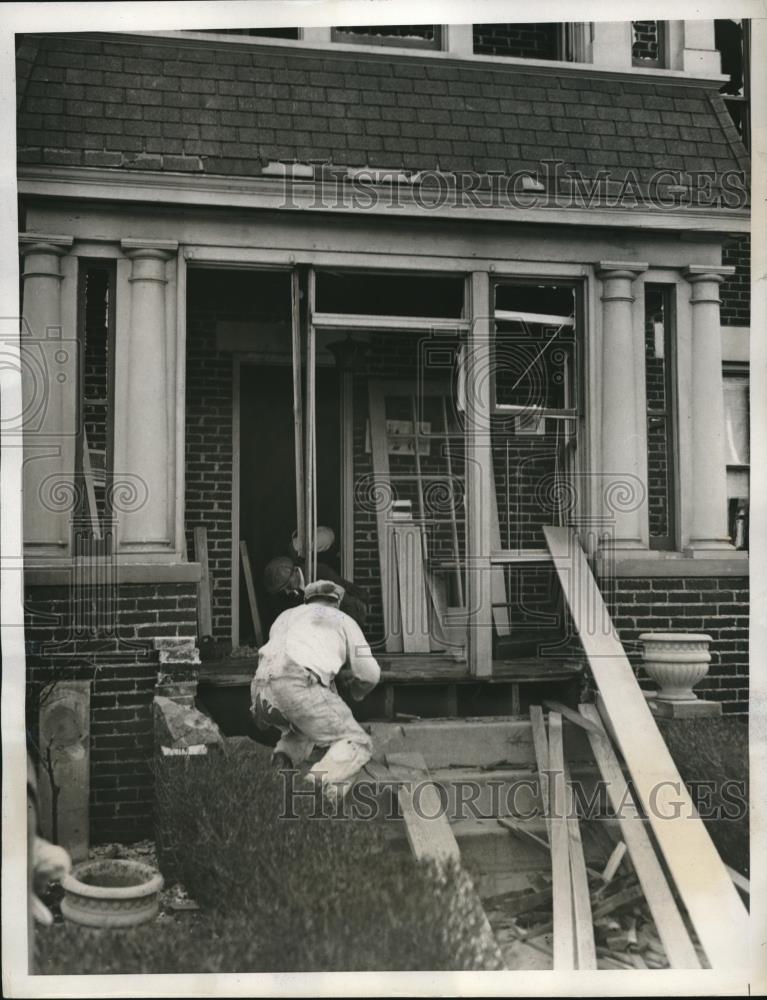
[[535, 346], [736, 419]]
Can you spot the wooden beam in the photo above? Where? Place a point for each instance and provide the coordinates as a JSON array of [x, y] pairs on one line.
[[258, 630], [480, 481], [585, 946], [571, 716], [564, 939], [298, 417], [668, 921], [427, 827], [204, 613], [716, 910], [310, 430], [541, 745], [380, 454]]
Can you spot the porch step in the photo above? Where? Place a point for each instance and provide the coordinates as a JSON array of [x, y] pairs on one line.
[[470, 743], [487, 847]]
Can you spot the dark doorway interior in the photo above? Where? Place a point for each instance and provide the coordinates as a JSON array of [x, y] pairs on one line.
[[267, 474]]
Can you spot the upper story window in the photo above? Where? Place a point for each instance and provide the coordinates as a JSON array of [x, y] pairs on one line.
[[417, 36], [521, 41], [732, 39], [648, 43]]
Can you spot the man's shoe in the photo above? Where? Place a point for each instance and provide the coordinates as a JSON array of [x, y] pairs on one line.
[[282, 762]]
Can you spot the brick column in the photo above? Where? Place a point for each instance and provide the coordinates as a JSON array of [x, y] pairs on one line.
[[621, 481], [144, 432], [708, 530], [49, 385]]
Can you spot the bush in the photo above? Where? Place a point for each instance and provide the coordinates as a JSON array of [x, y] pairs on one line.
[[280, 894], [716, 751]]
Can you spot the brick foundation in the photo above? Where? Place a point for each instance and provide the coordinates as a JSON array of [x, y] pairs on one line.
[[120, 660]]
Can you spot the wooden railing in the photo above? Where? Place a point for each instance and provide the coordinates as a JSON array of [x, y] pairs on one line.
[[705, 888]]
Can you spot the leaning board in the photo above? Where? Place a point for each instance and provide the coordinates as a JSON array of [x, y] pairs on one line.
[[717, 913]]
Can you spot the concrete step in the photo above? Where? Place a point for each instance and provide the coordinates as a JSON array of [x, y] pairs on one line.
[[487, 847], [494, 792], [499, 741]]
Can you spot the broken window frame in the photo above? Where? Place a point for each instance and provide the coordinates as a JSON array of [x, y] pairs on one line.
[[661, 60]]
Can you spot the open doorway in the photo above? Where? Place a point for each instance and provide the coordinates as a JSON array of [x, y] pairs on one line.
[[267, 475]]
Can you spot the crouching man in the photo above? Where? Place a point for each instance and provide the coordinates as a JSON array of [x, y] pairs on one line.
[[294, 687]]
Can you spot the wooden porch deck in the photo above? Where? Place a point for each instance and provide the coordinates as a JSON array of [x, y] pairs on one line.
[[444, 676]]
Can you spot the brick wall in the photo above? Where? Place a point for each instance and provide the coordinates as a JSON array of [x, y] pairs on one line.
[[646, 41], [716, 606], [736, 291], [523, 41], [115, 652]]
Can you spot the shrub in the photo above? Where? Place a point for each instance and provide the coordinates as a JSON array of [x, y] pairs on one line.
[[280, 894]]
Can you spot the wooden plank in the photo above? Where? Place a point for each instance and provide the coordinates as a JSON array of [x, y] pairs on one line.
[[310, 432], [571, 716], [585, 946], [414, 614], [498, 580], [431, 839], [564, 936], [298, 416], [428, 829], [480, 481], [204, 614], [716, 910], [541, 744], [453, 519], [665, 913], [380, 454], [248, 572]]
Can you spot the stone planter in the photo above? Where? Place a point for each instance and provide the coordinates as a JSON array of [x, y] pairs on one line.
[[677, 662], [111, 893]]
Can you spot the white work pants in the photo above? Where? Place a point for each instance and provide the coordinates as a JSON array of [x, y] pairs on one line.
[[308, 714]]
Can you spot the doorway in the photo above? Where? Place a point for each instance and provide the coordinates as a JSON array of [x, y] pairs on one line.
[[267, 488]]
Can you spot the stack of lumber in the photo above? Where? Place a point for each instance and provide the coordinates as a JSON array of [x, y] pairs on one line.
[[627, 915]]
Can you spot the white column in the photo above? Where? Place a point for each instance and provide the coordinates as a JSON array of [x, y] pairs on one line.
[[50, 384], [144, 435], [708, 531], [621, 480]]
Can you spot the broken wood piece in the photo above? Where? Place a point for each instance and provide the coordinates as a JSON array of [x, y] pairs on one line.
[[517, 828], [204, 613], [614, 861], [571, 716], [624, 898], [564, 937], [665, 912], [258, 631]]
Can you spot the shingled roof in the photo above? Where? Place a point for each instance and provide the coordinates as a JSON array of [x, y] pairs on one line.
[[227, 109]]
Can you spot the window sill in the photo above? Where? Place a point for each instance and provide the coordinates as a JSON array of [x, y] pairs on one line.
[[61, 574], [668, 564]]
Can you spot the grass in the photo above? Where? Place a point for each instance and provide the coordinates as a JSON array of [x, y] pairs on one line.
[[279, 895], [713, 753]]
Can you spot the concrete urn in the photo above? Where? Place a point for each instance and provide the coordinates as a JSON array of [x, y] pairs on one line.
[[676, 662], [111, 893]]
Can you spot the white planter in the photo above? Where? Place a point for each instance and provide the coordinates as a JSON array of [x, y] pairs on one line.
[[676, 661], [111, 893]]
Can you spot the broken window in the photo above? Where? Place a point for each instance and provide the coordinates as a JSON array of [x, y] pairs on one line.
[[420, 36], [96, 312], [659, 388], [648, 43], [736, 418]]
